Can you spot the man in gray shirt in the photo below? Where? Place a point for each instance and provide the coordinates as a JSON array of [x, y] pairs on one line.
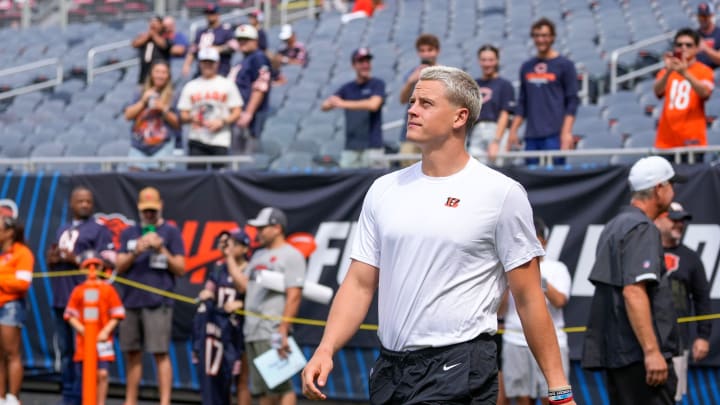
[[260, 334]]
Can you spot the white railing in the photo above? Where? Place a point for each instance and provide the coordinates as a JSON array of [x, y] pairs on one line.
[[93, 71], [35, 86], [236, 162], [616, 80]]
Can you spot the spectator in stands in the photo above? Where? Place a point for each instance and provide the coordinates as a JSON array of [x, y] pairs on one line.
[[151, 253], [427, 47], [256, 19], [155, 121], [632, 331], [361, 9], [8, 208], [279, 256], [690, 287], [252, 77], [709, 51], [152, 46], [294, 52], [79, 235], [110, 312], [216, 35], [686, 85], [548, 96], [179, 41], [524, 380], [362, 99], [497, 105], [16, 267], [210, 104]]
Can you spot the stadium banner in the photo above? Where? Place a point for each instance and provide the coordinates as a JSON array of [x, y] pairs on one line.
[[575, 203]]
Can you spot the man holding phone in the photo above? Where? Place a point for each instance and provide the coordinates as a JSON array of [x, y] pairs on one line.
[[685, 84], [151, 253]]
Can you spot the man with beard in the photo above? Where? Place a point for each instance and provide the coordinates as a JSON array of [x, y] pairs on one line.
[[80, 235]]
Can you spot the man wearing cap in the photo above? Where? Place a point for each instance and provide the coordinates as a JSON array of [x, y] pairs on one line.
[[216, 322], [633, 299], [294, 52], [150, 253], [81, 234], [256, 19], [210, 104], [216, 35], [262, 335], [690, 289], [8, 208], [362, 99], [252, 77], [152, 46], [709, 34]]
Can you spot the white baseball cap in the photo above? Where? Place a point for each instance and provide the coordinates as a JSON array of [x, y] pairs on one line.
[[246, 31], [209, 53], [650, 171], [285, 32], [8, 208]]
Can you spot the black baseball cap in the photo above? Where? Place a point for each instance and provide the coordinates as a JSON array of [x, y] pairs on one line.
[[676, 212], [360, 54], [211, 8], [705, 9]]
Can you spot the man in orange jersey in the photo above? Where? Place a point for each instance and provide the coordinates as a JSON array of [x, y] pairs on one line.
[[685, 84]]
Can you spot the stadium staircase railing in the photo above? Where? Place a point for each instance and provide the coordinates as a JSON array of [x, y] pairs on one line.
[[50, 82]]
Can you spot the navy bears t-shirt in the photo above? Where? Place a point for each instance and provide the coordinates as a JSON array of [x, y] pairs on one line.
[[254, 73], [548, 92], [216, 37], [712, 40], [497, 95], [363, 129], [77, 237], [149, 268]]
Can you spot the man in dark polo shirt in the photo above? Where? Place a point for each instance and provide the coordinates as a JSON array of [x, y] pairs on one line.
[[362, 99], [79, 235], [151, 253], [632, 332]]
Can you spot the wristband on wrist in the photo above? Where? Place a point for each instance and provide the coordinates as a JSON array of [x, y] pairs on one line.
[[560, 395]]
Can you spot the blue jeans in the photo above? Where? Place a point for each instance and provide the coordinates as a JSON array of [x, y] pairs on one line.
[[66, 347], [548, 143]]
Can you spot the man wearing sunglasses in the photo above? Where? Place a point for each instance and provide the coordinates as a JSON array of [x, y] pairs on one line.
[[690, 290], [685, 84]]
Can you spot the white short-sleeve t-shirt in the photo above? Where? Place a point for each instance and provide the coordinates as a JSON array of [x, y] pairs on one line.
[[556, 274], [210, 99], [442, 246]]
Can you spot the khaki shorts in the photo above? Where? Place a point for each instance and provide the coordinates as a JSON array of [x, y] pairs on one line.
[[257, 384], [146, 329], [522, 375]]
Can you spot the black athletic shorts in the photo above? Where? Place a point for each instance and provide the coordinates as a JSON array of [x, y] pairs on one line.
[[464, 373], [626, 386]]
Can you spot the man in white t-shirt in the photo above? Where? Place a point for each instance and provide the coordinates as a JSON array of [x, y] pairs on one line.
[[210, 104], [522, 377], [440, 240]]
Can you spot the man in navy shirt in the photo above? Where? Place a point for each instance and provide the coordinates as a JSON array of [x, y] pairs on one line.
[[153, 254], [252, 77], [216, 35], [548, 96], [256, 18], [80, 235], [710, 34], [362, 99]]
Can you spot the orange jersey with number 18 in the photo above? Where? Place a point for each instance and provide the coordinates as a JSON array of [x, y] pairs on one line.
[[683, 121]]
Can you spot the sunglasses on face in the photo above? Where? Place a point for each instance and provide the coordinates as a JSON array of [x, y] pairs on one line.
[[684, 45]]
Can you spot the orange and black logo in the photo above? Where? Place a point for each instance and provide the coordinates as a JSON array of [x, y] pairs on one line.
[[452, 202]]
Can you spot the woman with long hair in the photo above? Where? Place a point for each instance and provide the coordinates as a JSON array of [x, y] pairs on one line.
[[16, 266], [498, 103], [155, 122]]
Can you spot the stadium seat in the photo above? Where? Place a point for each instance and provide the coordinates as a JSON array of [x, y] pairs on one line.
[[293, 162]]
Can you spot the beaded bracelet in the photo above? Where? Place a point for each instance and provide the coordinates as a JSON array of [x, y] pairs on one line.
[[560, 395]]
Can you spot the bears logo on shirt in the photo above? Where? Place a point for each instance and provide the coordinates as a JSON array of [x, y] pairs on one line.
[[486, 94], [672, 262], [540, 74], [116, 223]]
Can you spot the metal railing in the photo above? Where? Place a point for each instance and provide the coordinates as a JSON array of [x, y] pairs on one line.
[[616, 80], [236, 162], [93, 71], [300, 9], [35, 86]]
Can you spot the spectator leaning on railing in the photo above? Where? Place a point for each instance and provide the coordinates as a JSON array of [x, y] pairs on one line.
[[155, 122], [152, 46]]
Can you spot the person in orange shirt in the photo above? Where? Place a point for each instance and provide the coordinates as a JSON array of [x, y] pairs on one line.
[[111, 312], [685, 84], [16, 266]]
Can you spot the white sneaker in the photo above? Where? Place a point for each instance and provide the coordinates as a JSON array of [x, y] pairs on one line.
[[11, 399], [2, 401]]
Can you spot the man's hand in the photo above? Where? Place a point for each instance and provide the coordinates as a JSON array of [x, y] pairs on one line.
[[214, 125], [284, 348], [493, 149], [656, 368], [701, 348], [232, 306], [244, 120], [206, 294], [415, 75], [566, 141], [103, 336], [315, 374], [67, 256], [513, 140]]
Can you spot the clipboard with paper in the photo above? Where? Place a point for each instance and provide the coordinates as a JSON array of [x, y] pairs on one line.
[[276, 370]]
